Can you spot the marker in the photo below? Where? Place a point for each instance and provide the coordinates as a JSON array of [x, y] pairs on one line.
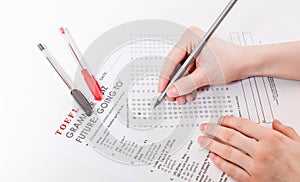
[[89, 79], [77, 95], [196, 51]]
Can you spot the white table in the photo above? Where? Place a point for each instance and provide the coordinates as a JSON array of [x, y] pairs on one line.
[[32, 96]]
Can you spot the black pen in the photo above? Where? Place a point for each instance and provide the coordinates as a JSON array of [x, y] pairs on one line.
[[77, 95]]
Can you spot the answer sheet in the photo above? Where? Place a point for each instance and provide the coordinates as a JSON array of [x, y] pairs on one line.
[[129, 139]]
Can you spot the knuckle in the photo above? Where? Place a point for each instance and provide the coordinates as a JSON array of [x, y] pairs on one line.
[[219, 163], [229, 135], [210, 145], [226, 120], [257, 172], [214, 130], [231, 172], [240, 125], [227, 153], [223, 120], [251, 169], [274, 139], [261, 154]]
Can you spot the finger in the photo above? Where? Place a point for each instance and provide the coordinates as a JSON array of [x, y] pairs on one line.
[[167, 71], [181, 100], [171, 99], [177, 53], [190, 38], [229, 136], [192, 96], [245, 126], [189, 83], [162, 83], [172, 92], [286, 130], [230, 169], [187, 42], [226, 151], [175, 56]]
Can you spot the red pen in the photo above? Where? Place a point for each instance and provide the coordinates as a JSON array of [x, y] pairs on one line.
[[89, 79]]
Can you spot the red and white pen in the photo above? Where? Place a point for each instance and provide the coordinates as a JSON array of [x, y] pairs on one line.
[[89, 79], [76, 93]]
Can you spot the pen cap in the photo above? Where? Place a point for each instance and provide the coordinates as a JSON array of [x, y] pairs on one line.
[[82, 102]]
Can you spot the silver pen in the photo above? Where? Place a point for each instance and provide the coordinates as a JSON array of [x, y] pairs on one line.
[[77, 95], [197, 50]]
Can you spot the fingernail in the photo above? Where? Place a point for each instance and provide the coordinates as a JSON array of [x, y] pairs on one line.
[[203, 127], [203, 141]]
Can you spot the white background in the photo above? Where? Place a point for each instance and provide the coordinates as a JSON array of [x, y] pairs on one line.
[[32, 96]]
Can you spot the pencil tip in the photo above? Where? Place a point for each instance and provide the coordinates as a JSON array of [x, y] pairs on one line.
[[156, 104]]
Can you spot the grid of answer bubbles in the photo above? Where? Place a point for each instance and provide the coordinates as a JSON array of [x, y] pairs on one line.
[[210, 102]]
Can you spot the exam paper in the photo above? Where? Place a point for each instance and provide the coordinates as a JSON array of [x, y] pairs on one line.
[[127, 138]]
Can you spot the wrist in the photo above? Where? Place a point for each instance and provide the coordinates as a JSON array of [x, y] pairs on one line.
[[251, 62]]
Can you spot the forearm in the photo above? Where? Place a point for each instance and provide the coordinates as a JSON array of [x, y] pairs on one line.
[[276, 60]]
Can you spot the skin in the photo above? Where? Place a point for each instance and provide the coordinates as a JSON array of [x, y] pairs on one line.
[[246, 151], [241, 148]]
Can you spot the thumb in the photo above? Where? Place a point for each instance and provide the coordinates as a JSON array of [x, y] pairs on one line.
[[188, 84], [286, 130]]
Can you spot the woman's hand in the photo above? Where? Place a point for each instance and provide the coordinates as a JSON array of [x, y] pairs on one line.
[[219, 62], [247, 151]]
